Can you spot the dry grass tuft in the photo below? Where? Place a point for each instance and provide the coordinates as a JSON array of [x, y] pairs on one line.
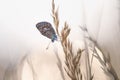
[[55, 17], [72, 61], [106, 61], [106, 65], [56, 23]]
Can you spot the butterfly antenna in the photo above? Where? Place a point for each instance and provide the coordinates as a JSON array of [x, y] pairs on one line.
[[48, 45]]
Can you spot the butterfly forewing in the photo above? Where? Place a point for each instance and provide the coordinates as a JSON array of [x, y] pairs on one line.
[[46, 29]]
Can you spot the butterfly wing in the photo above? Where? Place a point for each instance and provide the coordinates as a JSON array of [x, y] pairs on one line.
[[46, 29]]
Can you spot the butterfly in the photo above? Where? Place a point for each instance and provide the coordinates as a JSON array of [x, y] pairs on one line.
[[47, 30]]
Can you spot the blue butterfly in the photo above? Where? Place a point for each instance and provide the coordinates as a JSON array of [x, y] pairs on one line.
[[47, 30]]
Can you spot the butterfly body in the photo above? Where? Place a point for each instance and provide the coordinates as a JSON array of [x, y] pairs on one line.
[[47, 30], [54, 37]]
